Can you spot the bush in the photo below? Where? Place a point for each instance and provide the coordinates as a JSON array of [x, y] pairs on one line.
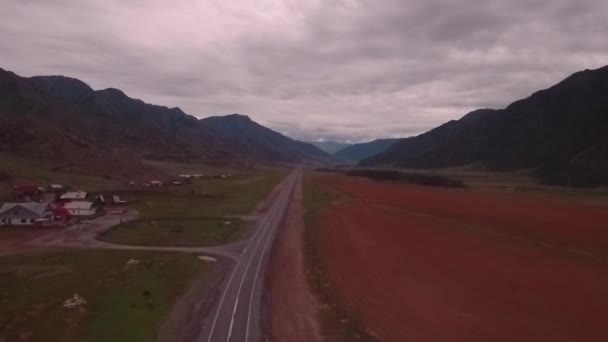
[[408, 177]]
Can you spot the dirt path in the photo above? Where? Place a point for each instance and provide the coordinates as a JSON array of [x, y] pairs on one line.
[[292, 308]]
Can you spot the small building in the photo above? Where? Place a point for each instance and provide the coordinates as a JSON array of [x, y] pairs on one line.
[[74, 196], [81, 208], [24, 214], [155, 183], [56, 187]]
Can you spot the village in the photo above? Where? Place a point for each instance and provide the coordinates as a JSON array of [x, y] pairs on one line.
[[57, 205]]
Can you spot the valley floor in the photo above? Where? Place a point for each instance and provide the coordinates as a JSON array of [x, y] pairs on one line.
[[144, 272], [413, 263]]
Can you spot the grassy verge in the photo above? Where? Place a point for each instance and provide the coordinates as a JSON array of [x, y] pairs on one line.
[[124, 301], [205, 231], [337, 322], [195, 214]]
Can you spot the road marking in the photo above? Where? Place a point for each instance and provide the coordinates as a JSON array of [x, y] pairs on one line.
[[270, 237], [219, 309], [232, 319], [222, 300], [263, 228], [238, 293]]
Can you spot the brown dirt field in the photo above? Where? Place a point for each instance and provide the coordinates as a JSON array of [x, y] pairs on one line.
[[292, 308], [433, 264]]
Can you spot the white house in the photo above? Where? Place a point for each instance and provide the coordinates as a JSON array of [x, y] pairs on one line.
[[74, 196], [24, 214], [81, 208]]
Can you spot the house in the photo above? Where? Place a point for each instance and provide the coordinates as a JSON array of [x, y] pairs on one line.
[[24, 214], [74, 196], [81, 208], [56, 187]]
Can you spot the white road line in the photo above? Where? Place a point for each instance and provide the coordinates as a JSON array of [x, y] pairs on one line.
[[255, 279], [257, 245], [263, 228], [222, 300], [219, 309]]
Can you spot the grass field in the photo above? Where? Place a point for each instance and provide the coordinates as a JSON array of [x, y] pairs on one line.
[[200, 209], [189, 232], [519, 182], [124, 302]]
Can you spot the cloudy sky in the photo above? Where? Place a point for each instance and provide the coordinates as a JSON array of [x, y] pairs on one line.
[[314, 69]]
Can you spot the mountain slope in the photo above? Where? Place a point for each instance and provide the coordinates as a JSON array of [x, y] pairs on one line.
[[358, 152], [561, 132], [330, 147], [64, 120], [255, 140]]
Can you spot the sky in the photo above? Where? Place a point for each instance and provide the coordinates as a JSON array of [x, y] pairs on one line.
[[345, 70]]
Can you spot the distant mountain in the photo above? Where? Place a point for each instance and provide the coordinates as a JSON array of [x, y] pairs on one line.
[[330, 147], [253, 139], [561, 133], [63, 119], [358, 152]]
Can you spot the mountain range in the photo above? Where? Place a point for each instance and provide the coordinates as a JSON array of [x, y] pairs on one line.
[[330, 147], [63, 119], [560, 134], [358, 152]]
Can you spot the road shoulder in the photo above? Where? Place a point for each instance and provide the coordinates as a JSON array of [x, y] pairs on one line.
[[292, 310]]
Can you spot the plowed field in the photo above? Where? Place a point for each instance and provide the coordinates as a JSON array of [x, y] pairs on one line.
[[434, 264]]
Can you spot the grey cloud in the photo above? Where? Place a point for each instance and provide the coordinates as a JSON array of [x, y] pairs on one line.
[[342, 70]]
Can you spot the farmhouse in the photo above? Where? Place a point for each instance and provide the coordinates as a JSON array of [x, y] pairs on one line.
[[81, 208], [24, 214], [74, 196]]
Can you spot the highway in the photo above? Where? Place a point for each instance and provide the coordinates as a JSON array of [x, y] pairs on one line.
[[238, 313]]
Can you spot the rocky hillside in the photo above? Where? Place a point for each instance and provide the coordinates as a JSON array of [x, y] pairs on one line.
[[560, 133], [254, 140], [358, 152], [63, 119]]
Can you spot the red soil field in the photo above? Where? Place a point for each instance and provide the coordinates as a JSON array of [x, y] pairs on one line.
[[435, 264]]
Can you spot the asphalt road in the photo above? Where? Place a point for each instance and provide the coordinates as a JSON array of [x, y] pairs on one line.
[[238, 314]]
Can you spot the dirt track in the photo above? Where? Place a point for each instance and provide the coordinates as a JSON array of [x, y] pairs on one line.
[[293, 308], [432, 264]]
